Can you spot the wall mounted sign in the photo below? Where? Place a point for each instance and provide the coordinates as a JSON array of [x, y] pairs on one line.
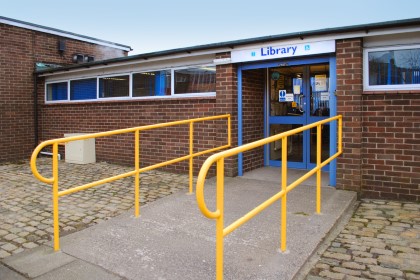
[[280, 51], [289, 97], [282, 96]]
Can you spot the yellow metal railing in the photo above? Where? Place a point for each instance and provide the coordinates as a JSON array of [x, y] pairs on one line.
[[137, 170], [219, 158]]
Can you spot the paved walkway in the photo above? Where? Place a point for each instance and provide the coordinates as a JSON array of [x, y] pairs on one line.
[[172, 239], [26, 203], [381, 241]]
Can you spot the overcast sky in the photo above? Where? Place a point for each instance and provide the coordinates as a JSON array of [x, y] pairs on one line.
[[154, 25]]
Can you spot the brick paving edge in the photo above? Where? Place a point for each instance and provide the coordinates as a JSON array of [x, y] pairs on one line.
[[326, 242]]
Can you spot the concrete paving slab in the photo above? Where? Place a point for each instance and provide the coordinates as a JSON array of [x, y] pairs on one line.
[[273, 174], [38, 261], [78, 270], [8, 274], [172, 240]]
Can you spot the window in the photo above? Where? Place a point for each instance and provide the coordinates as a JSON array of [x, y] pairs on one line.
[[57, 91], [83, 89], [163, 83], [115, 86], [156, 83], [392, 68], [195, 80]]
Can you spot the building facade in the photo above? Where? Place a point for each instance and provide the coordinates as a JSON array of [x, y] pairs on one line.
[[369, 74], [24, 47]]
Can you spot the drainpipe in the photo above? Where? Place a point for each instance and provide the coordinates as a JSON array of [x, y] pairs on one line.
[[35, 110]]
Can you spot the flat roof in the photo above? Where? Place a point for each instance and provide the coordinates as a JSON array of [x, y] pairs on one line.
[[232, 44], [62, 33]]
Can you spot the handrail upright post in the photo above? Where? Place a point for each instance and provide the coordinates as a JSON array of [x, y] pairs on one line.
[[137, 176], [318, 165], [340, 134], [191, 157], [229, 132], [55, 197], [284, 197], [219, 221]]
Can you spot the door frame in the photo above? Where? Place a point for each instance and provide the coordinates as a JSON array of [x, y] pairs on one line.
[[290, 62]]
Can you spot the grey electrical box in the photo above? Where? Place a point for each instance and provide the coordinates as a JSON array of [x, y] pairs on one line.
[[80, 151]]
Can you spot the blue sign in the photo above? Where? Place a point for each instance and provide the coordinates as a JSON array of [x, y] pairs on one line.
[[282, 95]]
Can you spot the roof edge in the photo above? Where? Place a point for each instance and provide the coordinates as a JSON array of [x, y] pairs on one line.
[[62, 33], [242, 42]]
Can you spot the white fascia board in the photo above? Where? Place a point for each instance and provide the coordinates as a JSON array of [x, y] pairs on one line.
[[338, 36], [134, 68], [209, 53], [64, 34]]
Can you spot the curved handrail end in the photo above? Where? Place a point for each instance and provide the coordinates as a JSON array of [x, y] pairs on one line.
[[34, 168], [200, 189]]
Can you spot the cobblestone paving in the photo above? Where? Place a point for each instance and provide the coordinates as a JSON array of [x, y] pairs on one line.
[[381, 241], [26, 203]]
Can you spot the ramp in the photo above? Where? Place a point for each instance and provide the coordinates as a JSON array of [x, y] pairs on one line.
[[172, 240]]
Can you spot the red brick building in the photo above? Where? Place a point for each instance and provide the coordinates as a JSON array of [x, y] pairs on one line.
[[23, 46], [370, 74]]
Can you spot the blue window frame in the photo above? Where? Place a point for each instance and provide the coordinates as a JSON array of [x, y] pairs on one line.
[[57, 91], [83, 89]]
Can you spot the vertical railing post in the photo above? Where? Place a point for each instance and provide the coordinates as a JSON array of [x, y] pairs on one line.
[[229, 132], [284, 197], [340, 134], [55, 198], [219, 222], [318, 172], [137, 176], [191, 157]]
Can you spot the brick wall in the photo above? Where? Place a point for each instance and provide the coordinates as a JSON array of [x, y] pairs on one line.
[[20, 49], [157, 145], [253, 86], [227, 103], [349, 104], [381, 133], [391, 141]]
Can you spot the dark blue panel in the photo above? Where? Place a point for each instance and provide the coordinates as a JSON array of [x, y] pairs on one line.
[[58, 91], [83, 89], [160, 83]]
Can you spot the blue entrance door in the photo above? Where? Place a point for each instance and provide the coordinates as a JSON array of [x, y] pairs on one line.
[[297, 95]]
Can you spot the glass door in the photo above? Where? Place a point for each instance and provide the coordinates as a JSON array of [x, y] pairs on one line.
[[286, 111], [319, 109], [298, 95]]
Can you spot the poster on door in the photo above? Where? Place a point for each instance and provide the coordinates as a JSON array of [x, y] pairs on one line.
[[325, 96], [321, 83]]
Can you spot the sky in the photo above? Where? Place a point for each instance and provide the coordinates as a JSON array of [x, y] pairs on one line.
[[154, 25]]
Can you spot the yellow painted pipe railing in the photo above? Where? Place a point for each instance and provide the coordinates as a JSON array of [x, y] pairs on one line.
[[219, 158], [137, 170]]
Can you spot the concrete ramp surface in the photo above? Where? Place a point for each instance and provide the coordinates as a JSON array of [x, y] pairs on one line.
[[173, 240]]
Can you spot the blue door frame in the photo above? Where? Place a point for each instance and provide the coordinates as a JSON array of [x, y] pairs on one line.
[[333, 110]]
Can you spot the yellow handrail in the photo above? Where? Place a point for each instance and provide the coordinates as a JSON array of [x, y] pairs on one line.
[[218, 214], [137, 170]]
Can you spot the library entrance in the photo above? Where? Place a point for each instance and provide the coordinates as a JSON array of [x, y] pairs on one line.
[[296, 83], [298, 95]]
